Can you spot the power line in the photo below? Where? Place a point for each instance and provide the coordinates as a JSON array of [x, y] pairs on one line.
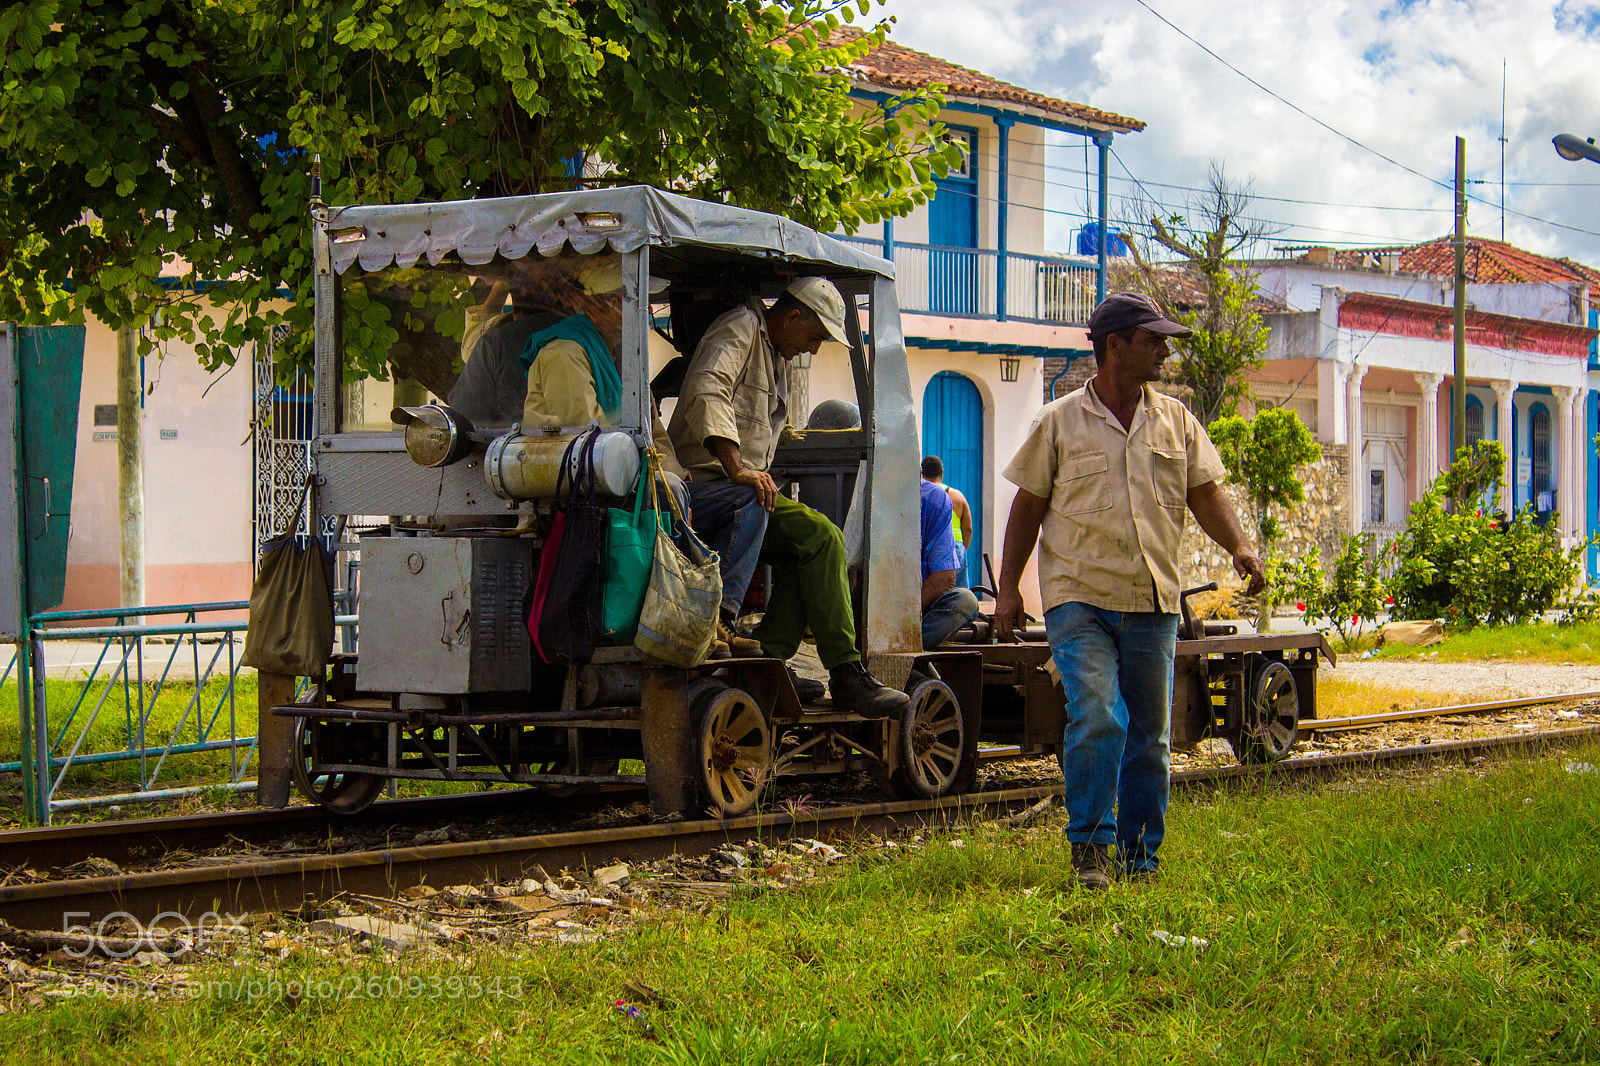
[[1244, 218], [1345, 136], [1015, 205], [993, 157], [1289, 104]]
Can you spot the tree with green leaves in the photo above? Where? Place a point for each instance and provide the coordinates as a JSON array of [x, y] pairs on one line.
[[152, 140], [1208, 292], [1476, 472], [1264, 456], [1471, 568]]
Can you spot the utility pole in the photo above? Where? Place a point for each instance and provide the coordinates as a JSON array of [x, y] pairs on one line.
[[1458, 438], [130, 470]]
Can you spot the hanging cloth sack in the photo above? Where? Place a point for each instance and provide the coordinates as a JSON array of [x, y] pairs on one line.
[[291, 605], [630, 554], [564, 617], [678, 622]]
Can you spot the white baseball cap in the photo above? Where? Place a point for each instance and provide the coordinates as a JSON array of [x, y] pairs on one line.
[[821, 296]]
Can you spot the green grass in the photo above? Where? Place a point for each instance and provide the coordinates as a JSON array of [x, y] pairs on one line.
[[1335, 918], [1579, 644], [67, 700], [109, 731]]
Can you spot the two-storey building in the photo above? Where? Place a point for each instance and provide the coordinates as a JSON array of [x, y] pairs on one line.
[[1363, 351]]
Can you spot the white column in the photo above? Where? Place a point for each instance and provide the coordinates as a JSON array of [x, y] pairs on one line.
[[1428, 431], [1580, 463], [1360, 483], [1562, 431], [1503, 392]]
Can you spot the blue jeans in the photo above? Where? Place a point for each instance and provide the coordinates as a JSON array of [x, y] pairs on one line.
[[1116, 671], [732, 522], [947, 614]]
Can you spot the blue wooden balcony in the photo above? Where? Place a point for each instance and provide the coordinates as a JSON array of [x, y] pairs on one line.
[[986, 283]]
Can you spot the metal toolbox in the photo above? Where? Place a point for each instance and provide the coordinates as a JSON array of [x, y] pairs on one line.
[[443, 615]]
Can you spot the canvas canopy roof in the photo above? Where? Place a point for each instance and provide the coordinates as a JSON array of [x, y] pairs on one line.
[[587, 221]]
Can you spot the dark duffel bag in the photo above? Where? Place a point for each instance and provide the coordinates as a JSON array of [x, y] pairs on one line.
[[564, 616]]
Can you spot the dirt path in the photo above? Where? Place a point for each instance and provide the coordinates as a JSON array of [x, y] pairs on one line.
[[1481, 681]]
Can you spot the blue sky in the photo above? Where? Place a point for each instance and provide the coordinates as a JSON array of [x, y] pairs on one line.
[[1403, 79]]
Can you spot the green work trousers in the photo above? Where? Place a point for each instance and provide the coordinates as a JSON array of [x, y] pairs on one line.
[[810, 589]]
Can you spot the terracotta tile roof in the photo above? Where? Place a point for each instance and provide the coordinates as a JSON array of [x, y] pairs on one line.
[[1487, 261], [895, 66]]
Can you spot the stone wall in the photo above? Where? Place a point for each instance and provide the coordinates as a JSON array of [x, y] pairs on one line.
[[1319, 522]]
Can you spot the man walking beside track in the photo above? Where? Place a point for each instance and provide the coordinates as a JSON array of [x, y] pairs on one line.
[[1103, 480], [725, 429]]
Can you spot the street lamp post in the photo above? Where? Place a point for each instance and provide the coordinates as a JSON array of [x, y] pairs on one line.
[[1571, 146]]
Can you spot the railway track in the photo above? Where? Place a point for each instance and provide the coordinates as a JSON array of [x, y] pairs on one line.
[[1363, 721], [286, 883], [138, 840]]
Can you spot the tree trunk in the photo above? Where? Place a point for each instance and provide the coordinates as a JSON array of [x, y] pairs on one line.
[[130, 471]]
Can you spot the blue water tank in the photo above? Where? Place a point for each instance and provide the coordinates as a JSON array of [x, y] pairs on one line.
[[1089, 242]]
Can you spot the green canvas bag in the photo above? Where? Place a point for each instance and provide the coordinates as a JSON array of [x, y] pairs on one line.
[[630, 554]]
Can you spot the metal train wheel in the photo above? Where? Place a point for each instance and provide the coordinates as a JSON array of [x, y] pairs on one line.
[[734, 753], [930, 742], [1271, 715], [341, 793]]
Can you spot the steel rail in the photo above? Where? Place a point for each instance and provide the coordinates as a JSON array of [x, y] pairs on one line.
[[142, 839], [139, 839], [1329, 725], [277, 884]]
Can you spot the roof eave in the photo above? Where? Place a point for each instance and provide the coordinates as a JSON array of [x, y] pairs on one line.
[[1026, 113]]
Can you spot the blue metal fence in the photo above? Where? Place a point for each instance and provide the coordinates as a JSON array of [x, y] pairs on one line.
[[160, 716]]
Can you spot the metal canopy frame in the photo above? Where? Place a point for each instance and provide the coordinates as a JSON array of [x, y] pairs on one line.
[[661, 235]]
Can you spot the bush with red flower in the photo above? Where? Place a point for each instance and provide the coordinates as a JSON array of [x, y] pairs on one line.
[[1472, 568]]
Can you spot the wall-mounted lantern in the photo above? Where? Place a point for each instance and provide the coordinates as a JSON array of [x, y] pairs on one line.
[[1010, 366]]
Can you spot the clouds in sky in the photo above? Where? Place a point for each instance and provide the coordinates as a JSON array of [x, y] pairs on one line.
[[1403, 78]]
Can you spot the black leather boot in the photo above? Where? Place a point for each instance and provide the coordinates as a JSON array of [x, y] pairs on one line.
[[855, 690]]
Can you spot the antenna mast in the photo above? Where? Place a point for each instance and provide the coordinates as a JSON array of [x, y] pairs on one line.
[[1502, 149]]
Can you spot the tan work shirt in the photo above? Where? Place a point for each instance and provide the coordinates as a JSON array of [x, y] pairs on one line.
[[736, 387], [561, 392], [561, 387], [1117, 498]]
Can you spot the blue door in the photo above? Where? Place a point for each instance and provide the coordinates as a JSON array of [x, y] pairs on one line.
[[952, 429], [952, 227]]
